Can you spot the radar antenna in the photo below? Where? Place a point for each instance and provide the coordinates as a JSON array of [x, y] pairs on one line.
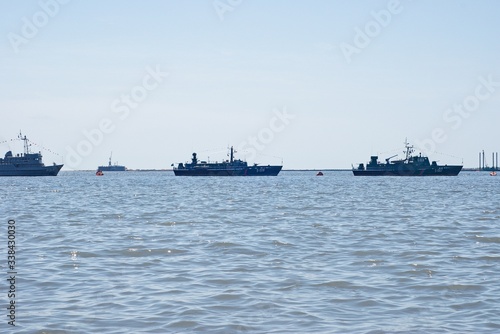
[[26, 145], [408, 149]]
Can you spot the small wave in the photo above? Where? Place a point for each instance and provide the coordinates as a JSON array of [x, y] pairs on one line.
[[282, 243], [175, 223], [489, 258], [486, 218], [227, 296], [495, 240], [369, 252], [136, 252], [464, 287], [183, 324], [468, 306], [452, 287], [336, 284], [222, 282], [224, 244]]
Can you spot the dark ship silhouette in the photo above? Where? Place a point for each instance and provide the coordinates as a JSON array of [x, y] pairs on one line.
[[27, 164], [411, 165], [232, 167]]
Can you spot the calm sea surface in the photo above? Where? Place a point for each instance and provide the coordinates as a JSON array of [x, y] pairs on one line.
[[147, 252]]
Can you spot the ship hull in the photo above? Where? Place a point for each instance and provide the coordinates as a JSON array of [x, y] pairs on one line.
[[406, 170], [12, 170], [248, 171], [112, 168]]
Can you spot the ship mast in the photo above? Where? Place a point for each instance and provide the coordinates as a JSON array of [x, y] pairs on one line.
[[408, 149], [109, 163], [232, 155], [26, 145]]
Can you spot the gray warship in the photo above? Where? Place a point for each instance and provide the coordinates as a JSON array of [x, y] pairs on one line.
[[411, 165], [27, 163], [231, 167], [112, 168]]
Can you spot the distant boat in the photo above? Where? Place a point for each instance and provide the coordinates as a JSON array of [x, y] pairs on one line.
[[411, 165], [319, 174], [112, 168], [231, 167], [27, 164], [99, 173], [493, 174]]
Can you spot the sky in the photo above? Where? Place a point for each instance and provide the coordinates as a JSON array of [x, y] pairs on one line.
[[310, 84]]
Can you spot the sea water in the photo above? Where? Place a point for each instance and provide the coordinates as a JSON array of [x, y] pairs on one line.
[[147, 252]]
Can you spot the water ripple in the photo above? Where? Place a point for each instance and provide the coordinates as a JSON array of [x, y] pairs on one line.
[[290, 254]]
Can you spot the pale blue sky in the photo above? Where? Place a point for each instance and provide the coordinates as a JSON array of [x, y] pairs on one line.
[[227, 78]]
